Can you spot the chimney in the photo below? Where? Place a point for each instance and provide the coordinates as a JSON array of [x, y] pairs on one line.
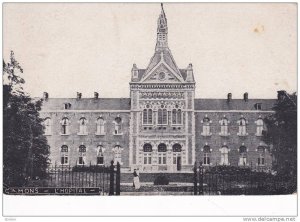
[[229, 97], [281, 94], [246, 97], [189, 72], [79, 95], [134, 72], [45, 95], [96, 95]]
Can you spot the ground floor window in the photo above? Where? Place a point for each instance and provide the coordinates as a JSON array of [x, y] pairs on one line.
[[64, 160], [162, 158], [261, 156], [100, 160], [64, 155], [81, 160], [206, 155], [147, 158], [243, 156], [224, 155], [206, 159], [176, 158]]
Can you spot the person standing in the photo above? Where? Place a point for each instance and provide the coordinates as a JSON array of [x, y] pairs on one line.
[[136, 179]]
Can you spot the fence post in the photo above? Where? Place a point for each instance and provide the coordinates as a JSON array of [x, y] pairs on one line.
[[195, 179], [118, 179], [111, 179], [201, 179]]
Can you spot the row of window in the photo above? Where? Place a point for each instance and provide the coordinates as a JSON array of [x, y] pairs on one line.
[[100, 123], [224, 123], [64, 155], [243, 155], [162, 116]]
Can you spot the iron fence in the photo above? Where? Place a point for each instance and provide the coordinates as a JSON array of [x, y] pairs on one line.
[[211, 181]]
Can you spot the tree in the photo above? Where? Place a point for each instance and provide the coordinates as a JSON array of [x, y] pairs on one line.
[[25, 148], [281, 134]]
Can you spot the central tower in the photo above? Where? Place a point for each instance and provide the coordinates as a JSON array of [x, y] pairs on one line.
[[162, 125]]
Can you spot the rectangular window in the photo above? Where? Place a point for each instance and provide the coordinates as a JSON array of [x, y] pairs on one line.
[[206, 160], [64, 160], [81, 160], [147, 158], [100, 160], [162, 159]]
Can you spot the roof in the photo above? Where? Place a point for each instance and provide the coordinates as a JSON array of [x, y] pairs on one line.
[[124, 104], [87, 104], [234, 104]]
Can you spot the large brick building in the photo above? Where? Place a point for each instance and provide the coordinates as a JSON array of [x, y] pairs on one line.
[[162, 126]]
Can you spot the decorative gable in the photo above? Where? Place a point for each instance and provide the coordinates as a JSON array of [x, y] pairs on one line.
[[162, 74]]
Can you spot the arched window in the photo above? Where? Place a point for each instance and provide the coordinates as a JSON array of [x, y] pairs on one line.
[[48, 126], [259, 126], [82, 126], [65, 123], [64, 154], [176, 148], [118, 125], [243, 156], [242, 127], [176, 117], [162, 116], [224, 155], [261, 156], [100, 126], [82, 155], [162, 153], [100, 157], [147, 148], [206, 126], [224, 126], [206, 155], [147, 116], [117, 154]]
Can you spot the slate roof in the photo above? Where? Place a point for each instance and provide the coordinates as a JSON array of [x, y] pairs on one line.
[[124, 104], [234, 104], [87, 104], [168, 58]]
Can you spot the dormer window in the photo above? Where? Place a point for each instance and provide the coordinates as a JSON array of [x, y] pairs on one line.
[[67, 105], [257, 106]]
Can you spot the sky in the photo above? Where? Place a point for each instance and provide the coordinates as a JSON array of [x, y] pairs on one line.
[[66, 48]]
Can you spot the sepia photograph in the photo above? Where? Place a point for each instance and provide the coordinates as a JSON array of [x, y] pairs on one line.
[[149, 99]]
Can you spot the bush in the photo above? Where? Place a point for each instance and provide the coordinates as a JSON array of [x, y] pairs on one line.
[[161, 180]]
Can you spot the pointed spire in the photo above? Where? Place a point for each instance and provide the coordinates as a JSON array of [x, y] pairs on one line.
[[162, 31]]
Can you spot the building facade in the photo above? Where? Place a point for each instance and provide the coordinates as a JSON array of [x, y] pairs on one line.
[[162, 127]]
